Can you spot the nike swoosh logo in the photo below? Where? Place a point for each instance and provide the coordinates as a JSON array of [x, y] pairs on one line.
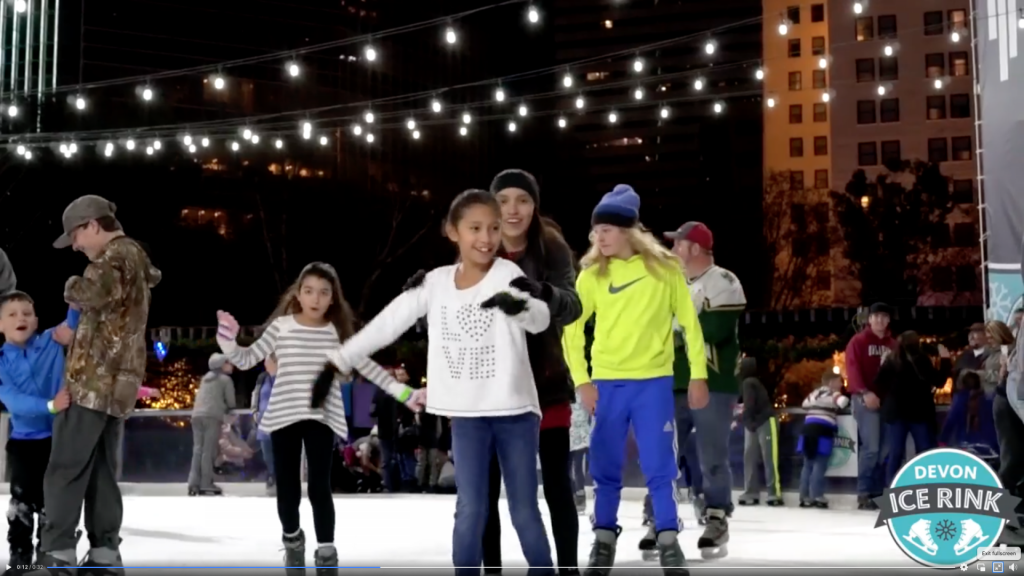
[[616, 289]]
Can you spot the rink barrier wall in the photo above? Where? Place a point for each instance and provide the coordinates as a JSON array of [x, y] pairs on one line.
[[156, 449]]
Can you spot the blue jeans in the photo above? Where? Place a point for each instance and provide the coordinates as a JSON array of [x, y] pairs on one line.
[[871, 449], [713, 428], [268, 455], [647, 405], [812, 477], [516, 440], [390, 475], [896, 434]]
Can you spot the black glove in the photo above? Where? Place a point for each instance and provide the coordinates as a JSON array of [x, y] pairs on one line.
[[531, 287], [322, 385], [415, 281], [505, 302]]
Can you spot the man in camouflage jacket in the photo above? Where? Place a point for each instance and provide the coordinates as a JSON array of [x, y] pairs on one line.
[[104, 370]]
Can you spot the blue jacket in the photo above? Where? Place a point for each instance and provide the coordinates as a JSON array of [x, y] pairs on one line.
[[30, 377]]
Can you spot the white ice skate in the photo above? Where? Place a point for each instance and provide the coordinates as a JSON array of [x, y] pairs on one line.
[[921, 537], [971, 536]]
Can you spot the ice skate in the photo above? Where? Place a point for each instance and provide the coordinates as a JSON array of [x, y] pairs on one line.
[[649, 544], [59, 563], [295, 554], [713, 543], [806, 503], [920, 537], [699, 510], [673, 563], [971, 536], [866, 503], [213, 490], [581, 502], [774, 501], [101, 562], [602, 553], [821, 503], [749, 500], [326, 560]]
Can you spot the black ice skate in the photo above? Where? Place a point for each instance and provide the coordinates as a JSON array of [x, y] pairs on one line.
[[602, 553], [866, 503], [774, 501], [806, 503], [213, 490], [713, 543], [673, 562], [822, 504], [295, 554], [58, 563], [581, 502], [649, 544], [101, 562], [326, 560], [748, 500]]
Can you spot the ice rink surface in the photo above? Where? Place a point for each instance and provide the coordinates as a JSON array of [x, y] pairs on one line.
[[415, 532]]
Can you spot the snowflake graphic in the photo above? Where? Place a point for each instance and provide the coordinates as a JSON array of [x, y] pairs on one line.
[[1000, 301], [945, 529]]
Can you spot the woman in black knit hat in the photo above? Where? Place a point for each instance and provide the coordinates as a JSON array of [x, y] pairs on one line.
[[545, 258]]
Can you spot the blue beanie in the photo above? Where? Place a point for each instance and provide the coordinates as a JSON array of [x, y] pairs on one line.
[[620, 207]]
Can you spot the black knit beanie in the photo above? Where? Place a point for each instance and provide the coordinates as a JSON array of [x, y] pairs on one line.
[[515, 178]]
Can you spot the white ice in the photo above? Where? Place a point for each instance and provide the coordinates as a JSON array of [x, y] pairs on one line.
[[416, 531]]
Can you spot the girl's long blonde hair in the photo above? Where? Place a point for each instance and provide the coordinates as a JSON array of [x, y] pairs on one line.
[[657, 258]]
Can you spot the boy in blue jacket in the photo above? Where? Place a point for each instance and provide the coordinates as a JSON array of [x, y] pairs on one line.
[[31, 387]]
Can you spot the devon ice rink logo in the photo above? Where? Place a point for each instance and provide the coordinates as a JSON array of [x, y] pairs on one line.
[[943, 505]]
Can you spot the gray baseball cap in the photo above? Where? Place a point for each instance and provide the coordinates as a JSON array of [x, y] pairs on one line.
[[80, 212]]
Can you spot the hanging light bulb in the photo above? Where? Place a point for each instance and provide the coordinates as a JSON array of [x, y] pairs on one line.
[[613, 117], [246, 134], [562, 123], [771, 102], [307, 130], [80, 102], [371, 53], [783, 28], [580, 102], [822, 62], [1020, 20], [638, 65], [369, 138], [20, 6], [157, 145], [410, 124], [759, 74], [523, 110], [323, 140], [938, 83], [192, 148], [435, 105], [887, 50], [218, 82], [12, 110], [955, 36], [698, 84], [881, 90], [21, 150], [64, 148], [234, 146], [449, 35], [463, 130], [255, 139], [466, 118], [72, 148], [499, 95], [858, 7], [205, 142], [567, 80], [719, 107], [512, 126], [357, 130], [638, 94], [293, 69], [278, 143], [709, 47], [532, 15], [664, 112], [130, 144], [147, 93], [369, 117], [28, 154], [149, 150], [415, 134], [108, 150], [187, 140], [825, 96]]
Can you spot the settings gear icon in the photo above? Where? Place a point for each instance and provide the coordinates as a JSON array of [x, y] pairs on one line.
[[945, 530]]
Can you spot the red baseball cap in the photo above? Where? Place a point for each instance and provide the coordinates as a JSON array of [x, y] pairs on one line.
[[695, 232]]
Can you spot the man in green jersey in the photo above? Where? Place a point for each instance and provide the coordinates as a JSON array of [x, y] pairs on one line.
[[718, 297]]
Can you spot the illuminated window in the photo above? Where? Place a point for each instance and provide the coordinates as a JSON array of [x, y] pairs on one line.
[[608, 24], [594, 76]]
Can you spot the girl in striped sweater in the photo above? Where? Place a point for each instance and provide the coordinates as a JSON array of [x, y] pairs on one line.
[[311, 319], [818, 436]]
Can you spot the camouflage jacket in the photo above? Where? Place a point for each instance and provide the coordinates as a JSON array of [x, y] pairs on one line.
[[107, 361]]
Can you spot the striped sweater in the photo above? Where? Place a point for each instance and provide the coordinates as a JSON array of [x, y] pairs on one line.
[[823, 405], [301, 352]]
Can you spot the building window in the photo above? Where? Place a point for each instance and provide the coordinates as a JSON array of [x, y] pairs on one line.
[[938, 150], [957, 20], [866, 112], [961, 148], [866, 29], [936, 107], [935, 65], [821, 179], [891, 152], [818, 46], [963, 191], [817, 12], [941, 236], [933, 23], [793, 14], [959, 106], [796, 114], [823, 279], [867, 154], [794, 81], [965, 235], [595, 76], [820, 112], [958, 64], [794, 47], [887, 26], [821, 146], [966, 278], [798, 215], [796, 147], [865, 70], [942, 279], [889, 68], [890, 110], [796, 179], [818, 78]]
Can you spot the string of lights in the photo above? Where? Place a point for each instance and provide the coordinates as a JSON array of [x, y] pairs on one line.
[[250, 127]]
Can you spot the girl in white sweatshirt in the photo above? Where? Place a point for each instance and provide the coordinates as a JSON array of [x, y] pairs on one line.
[[479, 374]]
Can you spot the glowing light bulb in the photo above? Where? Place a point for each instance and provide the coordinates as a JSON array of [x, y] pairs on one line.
[[955, 37], [411, 124], [20, 6], [147, 94], [532, 15], [567, 81], [255, 139], [357, 130], [218, 82], [130, 144], [938, 84], [246, 134], [783, 28], [825, 96], [293, 69], [613, 117], [463, 131], [881, 90], [887, 50], [415, 134], [822, 62], [80, 103], [187, 140], [157, 145], [323, 140], [858, 7], [511, 126], [466, 118], [278, 143], [759, 74], [449, 35], [771, 102], [663, 112], [562, 123], [638, 65], [523, 111], [234, 146], [370, 53], [108, 152], [638, 94], [192, 148], [72, 148], [369, 138], [709, 47], [21, 150], [205, 142], [435, 105], [28, 154], [1020, 21], [718, 107], [499, 95], [580, 102], [369, 117], [12, 110], [149, 150], [698, 84]]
